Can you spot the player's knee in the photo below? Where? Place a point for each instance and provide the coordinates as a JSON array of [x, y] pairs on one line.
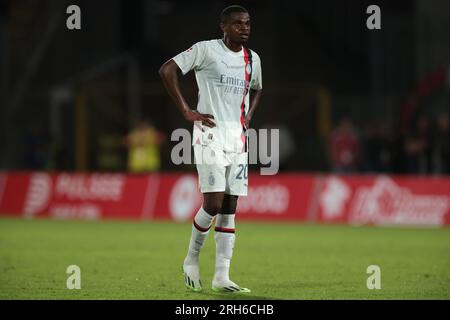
[[229, 205], [212, 207]]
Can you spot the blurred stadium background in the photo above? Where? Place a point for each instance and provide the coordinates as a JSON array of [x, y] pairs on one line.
[[363, 118], [68, 97]]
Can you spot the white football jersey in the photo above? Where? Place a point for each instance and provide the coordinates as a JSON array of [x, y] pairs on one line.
[[223, 80]]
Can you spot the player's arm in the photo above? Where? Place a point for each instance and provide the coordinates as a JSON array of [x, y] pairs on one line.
[[255, 96], [169, 76]]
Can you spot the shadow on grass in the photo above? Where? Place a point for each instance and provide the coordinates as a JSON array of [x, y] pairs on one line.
[[230, 296]]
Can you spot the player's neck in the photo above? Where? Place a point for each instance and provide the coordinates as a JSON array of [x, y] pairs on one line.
[[233, 46]]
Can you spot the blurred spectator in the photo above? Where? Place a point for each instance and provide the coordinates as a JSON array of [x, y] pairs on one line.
[[143, 148], [442, 145], [377, 148], [344, 147], [418, 147]]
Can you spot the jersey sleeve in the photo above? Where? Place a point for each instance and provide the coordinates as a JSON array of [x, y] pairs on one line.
[[256, 82], [192, 58]]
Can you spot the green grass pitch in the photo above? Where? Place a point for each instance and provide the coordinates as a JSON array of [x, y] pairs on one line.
[[142, 260]]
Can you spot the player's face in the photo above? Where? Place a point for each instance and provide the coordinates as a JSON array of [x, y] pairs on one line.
[[237, 27]]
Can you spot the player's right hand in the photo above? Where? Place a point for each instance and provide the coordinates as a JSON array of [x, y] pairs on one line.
[[194, 115]]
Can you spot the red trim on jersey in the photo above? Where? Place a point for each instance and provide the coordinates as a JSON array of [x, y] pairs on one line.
[[246, 87], [200, 228], [226, 230]]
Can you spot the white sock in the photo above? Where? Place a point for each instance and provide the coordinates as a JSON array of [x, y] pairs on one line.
[[200, 229], [225, 238]]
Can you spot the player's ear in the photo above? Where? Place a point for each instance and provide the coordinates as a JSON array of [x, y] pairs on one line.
[[222, 26]]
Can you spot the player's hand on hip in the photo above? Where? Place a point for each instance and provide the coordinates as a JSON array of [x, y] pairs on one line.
[[194, 115]]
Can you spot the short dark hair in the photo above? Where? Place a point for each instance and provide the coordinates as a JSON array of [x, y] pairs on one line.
[[229, 10]]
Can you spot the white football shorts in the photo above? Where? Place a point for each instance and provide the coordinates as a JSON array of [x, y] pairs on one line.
[[221, 171]]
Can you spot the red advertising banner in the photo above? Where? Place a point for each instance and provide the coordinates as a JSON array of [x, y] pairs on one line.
[[374, 200], [178, 198], [384, 200], [84, 196], [283, 197], [279, 197]]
